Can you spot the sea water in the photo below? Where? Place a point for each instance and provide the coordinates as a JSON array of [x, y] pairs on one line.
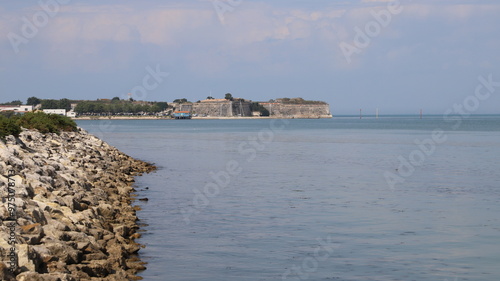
[[393, 198]]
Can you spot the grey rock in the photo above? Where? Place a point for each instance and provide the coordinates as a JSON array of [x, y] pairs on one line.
[[28, 259], [73, 207]]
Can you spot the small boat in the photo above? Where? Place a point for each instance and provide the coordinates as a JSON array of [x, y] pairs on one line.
[[182, 115]]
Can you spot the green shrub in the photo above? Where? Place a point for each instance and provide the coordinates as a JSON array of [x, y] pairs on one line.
[[63, 123], [8, 126], [7, 114], [46, 123]]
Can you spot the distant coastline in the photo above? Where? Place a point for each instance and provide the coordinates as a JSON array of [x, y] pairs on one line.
[[194, 118], [209, 108]]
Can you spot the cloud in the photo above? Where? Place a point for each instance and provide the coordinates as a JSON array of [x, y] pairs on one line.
[[121, 24], [450, 11], [105, 37]]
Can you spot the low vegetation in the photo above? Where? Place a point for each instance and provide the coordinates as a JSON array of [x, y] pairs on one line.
[[298, 101], [119, 107], [53, 104], [100, 107], [44, 123], [8, 126]]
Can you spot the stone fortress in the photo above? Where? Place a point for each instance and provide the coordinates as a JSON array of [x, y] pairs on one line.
[[238, 107]]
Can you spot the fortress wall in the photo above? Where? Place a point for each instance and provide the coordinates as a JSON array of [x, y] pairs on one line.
[[298, 110], [222, 109], [214, 109], [237, 108]]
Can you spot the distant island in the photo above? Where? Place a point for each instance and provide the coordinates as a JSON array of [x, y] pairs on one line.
[[209, 108]]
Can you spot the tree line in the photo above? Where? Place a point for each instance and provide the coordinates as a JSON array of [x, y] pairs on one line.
[[297, 101], [108, 107], [45, 103], [119, 107]]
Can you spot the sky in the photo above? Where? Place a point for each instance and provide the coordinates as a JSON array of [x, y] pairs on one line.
[[397, 56]]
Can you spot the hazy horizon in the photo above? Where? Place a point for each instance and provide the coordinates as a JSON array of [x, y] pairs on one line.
[[397, 56]]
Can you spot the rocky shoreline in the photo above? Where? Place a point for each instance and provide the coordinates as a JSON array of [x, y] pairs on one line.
[[66, 209]]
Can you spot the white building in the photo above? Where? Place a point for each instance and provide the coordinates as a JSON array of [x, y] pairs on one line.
[[16, 108], [62, 112], [55, 111]]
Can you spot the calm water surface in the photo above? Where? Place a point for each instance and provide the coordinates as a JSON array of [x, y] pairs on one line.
[[309, 199]]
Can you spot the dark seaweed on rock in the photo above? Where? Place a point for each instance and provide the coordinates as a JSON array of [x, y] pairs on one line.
[[74, 215]]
